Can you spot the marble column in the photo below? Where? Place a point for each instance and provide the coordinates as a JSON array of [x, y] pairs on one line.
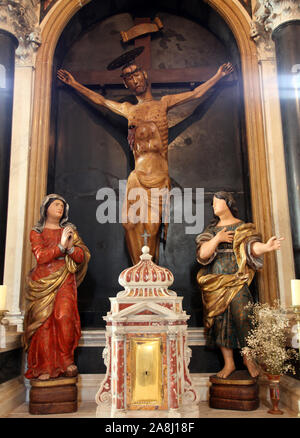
[[261, 31], [287, 37], [8, 45], [118, 374], [20, 19]]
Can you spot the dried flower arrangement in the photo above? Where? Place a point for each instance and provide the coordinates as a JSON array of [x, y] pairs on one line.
[[267, 340]]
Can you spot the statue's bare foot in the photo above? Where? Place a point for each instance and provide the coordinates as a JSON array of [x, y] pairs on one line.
[[252, 367], [72, 371], [226, 371], [45, 376]]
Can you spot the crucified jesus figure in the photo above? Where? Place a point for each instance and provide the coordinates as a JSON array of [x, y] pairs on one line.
[[148, 139]]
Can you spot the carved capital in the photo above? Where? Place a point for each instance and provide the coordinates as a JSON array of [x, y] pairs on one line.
[[119, 334], [20, 17], [260, 31], [272, 13], [172, 332], [267, 16], [263, 40]]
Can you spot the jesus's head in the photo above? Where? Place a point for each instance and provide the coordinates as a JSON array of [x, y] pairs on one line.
[[135, 79]]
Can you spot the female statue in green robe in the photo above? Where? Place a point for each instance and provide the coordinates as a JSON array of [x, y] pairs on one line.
[[231, 252]]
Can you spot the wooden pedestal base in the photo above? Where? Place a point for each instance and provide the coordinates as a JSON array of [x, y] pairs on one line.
[[54, 396], [238, 392]]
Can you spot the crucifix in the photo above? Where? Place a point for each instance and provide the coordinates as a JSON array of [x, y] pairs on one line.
[[190, 76], [145, 237], [147, 136]]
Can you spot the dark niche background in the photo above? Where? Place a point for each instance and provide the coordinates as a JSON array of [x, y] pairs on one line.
[[89, 147]]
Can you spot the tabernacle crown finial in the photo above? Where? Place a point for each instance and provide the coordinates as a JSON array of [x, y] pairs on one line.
[[146, 279], [145, 253]]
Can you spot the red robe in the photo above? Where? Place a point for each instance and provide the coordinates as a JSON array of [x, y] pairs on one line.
[[52, 346]]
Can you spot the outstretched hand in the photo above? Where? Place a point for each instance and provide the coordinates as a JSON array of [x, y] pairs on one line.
[[225, 69], [65, 77], [273, 244]]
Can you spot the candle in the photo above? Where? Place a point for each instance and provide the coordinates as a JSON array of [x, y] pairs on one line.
[[295, 285], [2, 297]]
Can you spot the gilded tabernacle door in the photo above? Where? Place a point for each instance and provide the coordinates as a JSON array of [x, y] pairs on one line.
[[145, 359]]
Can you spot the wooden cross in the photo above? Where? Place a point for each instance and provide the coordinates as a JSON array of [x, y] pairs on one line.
[[156, 76], [145, 236]]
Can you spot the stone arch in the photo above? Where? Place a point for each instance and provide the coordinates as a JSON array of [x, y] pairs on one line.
[[239, 22]]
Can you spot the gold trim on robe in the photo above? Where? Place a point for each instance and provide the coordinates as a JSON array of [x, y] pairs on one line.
[[218, 290], [41, 293]]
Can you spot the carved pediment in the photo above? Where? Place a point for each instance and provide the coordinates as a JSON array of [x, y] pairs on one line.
[[144, 309]]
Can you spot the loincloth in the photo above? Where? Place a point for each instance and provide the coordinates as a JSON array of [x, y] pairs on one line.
[[146, 200]]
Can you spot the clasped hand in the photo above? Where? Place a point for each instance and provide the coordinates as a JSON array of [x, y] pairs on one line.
[[67, 237]]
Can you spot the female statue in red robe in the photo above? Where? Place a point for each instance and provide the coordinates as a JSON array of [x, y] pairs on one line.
[[52, 323]]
